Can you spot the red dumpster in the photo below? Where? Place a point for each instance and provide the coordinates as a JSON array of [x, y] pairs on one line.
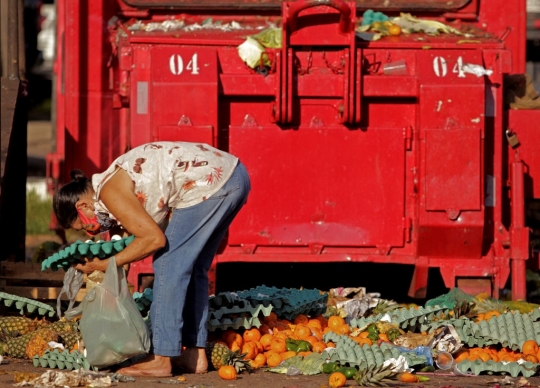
[[348, 163]]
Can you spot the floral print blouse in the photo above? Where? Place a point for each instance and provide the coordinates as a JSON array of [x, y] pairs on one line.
[[170, 175]]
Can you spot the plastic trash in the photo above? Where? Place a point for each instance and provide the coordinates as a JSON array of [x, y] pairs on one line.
[[395, 68], [112, 328]]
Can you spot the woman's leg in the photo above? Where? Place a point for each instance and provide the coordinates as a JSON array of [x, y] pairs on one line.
[[193, 235]]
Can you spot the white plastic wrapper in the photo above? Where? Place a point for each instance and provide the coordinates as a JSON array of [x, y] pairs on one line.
[[399, 365], [477, 70], [250, 52]]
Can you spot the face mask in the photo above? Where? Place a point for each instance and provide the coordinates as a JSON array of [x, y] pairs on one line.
[[100, 223]]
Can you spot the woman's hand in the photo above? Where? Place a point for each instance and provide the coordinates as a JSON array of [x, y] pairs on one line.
[[91, 265]]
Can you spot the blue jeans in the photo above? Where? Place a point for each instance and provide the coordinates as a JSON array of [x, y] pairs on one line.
[[179, 310]]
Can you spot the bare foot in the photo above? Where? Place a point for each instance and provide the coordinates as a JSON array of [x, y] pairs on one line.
[[152, 365], [192, 360]]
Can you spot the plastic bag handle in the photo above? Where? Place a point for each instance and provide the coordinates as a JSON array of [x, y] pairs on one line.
[[112, 280], [73, 280]]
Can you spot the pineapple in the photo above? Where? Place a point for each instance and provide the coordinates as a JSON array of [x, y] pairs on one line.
[[384, 306], [13, 326], [15, 346], [70, 340], [483, 306], [39, 342], [220, 355], [375, 376]]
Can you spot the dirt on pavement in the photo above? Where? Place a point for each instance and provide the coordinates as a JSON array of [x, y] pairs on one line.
[[261, 379]]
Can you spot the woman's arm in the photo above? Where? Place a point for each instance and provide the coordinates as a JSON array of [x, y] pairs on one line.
[[118, 196]]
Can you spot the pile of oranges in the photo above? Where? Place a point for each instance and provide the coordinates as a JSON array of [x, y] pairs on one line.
[[529, 352], [267, 345]]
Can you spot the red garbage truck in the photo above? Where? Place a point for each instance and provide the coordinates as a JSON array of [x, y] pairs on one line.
[[430, 165]]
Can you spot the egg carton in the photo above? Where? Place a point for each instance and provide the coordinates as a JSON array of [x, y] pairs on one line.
[[143, 300], [348, 352], [62, 359], [514, 369], [25, 304], [234, 323], [79, 250], [247, 309], [288, 302], [407, 319], [509, 330]]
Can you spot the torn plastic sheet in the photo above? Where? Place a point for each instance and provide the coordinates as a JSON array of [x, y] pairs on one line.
[[477, 70], [174, 25], [399, 365], [75, 378], [447, 340]]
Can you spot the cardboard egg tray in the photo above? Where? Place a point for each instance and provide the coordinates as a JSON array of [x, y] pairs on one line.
[[407, 319], [287, 302], [348, 352], [143, 300], [61, 359], [509, 330], [229, 310], [526, 369], [233, 323], [80, 250], [25, 304]]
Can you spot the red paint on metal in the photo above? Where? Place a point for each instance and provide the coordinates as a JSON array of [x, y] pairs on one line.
[[347, 164]]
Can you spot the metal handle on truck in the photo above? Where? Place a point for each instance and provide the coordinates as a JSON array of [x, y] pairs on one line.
[[340, 5]]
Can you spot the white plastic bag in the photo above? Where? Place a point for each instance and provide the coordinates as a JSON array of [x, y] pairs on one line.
[[111, 325]]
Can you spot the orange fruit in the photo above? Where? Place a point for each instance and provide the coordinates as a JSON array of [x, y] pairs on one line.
[[265, 329], [363, 334], [273, 359], [530, 347], [228, 335], [484, 356], [260, 346], [462, 355], [383, 337], [330, 344], [337, 380], [260, 359], [281, 335], [318, 333], [278, 345], [394, 30], [531, 358], [250, 349], [288, 354], [312, 340], [301, 319], [304, 354], [314, 324], [334, 322], [272, 317], [480, 317], [322, 320], [362, 341], [318, 347], [302, 331], [234, 346], [227, 372], [266, 340], [343, 329], [254, 364], [252, 335], [237, 338], [491, 314]]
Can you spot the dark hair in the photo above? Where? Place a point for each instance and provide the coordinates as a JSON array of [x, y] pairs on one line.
[[66, 197]]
